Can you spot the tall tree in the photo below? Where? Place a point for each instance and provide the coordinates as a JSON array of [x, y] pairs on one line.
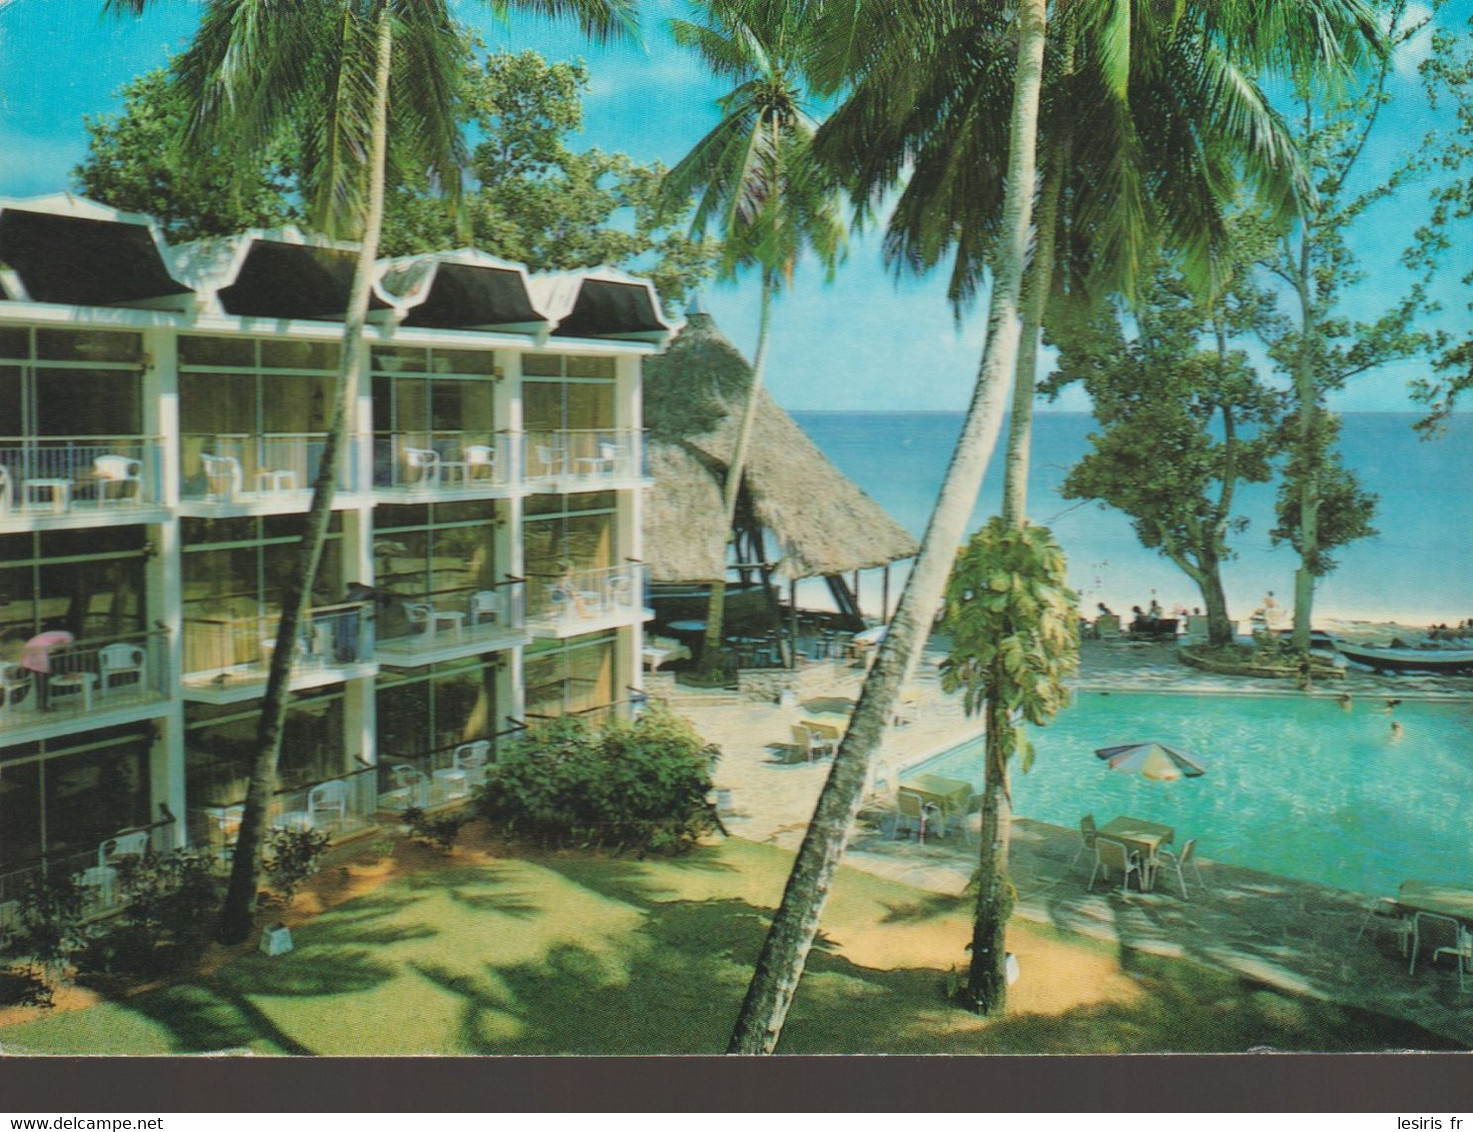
[[1184, 420], [1014, 626], [893, 49], [1321, 350], [755, 181], [334, 75]]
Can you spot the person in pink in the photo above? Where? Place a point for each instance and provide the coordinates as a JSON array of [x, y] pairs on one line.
[[36, 658]]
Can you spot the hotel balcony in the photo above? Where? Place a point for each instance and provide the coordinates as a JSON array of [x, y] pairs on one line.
[[584, 459], [226, 659], [339, 807], [586, 601], [442, 777], [448, 624], [244, 474], [446, 465], [58, 481], [51, 684]]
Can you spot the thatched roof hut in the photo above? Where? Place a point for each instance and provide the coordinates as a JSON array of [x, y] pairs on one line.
[[822, 523]]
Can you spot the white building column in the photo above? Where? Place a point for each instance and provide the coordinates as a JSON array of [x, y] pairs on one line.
[[511, 560]]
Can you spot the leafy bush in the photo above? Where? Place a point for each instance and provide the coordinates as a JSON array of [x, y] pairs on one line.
[[170, 902], [642, 785], [51, 927], [292, 855], [24, 985], [439, 830]]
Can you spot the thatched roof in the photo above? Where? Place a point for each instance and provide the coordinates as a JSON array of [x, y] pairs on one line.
[[821, 521]]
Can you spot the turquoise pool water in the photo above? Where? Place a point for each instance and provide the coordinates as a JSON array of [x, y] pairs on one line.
[[1296, 787]]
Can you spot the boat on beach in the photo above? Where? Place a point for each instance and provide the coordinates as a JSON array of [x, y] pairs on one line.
[[1446, 661]]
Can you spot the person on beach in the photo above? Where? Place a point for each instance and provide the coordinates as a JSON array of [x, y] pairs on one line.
[[1345, 702], [1104, 610], [1154, 613]]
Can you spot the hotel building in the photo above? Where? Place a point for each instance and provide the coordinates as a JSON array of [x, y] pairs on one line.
[[162, 413]]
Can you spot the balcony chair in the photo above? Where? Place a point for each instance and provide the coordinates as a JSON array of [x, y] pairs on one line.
[[425, 464], [103, 876], [473, 758], [1462, 950], [119, 479], [554, 460], [480, 462], [426, 615], [485, 604], [5, 490], [913, 809], [1112, 854], [15, 682], [602, 464], [621, 592], [224, 476], [1166, 859], [122, 660]]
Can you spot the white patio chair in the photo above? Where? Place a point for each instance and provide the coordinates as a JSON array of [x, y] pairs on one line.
[[408, 787], [103, 875], [554, 460], [119, 479], [6, 489], [621, 592], [1112, 854], [603, 463], [1462, 951], [429, 618], [473, 758], [327, 802], [224, 476], [122, 660], [1087, 833], [485, 604], [1166, 859], [913, 809], [15, 681], [424, 463], [1422, 920], [811, 743], [480, 462], [1386, 912]]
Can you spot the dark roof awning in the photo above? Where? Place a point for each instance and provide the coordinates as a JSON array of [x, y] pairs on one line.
[[83, 261], [289, 280], [607, 309], [465, 296]]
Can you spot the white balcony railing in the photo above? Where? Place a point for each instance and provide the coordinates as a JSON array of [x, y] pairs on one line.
[[48, 678], [575, 459], [447, 619], [98, 475], [337, 806], [240, 468], [586, 596], [238, 649], [447, 463]]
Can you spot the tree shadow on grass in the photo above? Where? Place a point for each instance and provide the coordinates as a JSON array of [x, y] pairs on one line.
[[931, 906], [635, 882]]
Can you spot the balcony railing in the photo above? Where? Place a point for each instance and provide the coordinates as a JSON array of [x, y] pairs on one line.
[[440, 777], [447, 463], [597, 716], [96, 475], [240, 468], [576, 596], [337, 806], [238, 649], [577, 459], [99, 872], [50, 678], [446, 619]]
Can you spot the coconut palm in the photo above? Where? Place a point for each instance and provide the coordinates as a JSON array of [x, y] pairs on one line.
[[337, 74], [755, 181], [900, 53]]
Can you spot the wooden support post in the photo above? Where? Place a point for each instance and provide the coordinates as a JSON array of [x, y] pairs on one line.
[[885, 596]]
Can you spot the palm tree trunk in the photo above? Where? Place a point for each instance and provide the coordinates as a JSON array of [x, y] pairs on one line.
[[987, 983], [245, 871], [712, 652], [795, 923]]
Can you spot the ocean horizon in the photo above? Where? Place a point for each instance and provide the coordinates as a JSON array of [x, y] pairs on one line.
[[1414, 570]]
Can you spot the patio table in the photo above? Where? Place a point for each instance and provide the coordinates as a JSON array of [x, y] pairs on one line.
[[1453, 900], [953, 795], [1145, 836]]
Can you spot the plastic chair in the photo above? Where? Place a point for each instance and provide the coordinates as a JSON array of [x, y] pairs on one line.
[[103, 875], [1430, 919], [485, 604], [328, 799], [480, 461], [1462, 950], [1112, 854], [408, 787], [1167, 859], [1087, 833], [5, 490], [553, 459], [1386, 912], [15, 681], [119, 479], [472, 758], [621, 592], [427, 616], [425, 463], [122, 660], [911, 807], [224, 476]]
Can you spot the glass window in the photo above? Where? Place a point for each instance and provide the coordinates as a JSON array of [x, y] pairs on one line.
[[479, 362], [82, 402], [21, 843], [397, 359], [569, 677], [15, 342], [290, 353], [435, 708], [219, 752], [583, 366], [90, 583], [93, 795], [201, 351], [542, 365], [88, 346]]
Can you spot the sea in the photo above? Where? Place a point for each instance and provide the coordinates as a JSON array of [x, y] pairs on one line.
[[1417, 570]]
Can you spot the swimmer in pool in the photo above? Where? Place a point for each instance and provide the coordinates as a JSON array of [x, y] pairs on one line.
[[1396, 730], [1344, 700]]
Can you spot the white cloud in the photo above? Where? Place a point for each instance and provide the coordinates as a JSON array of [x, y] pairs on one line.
[[1411, 54]]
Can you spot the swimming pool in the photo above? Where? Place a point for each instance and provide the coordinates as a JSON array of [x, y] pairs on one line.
[[1296, 787]]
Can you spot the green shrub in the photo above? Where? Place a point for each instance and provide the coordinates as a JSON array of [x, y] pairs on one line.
[[292, 855], [439, 830], [170, 904], [643, 785], [51, 927], [24, 985]]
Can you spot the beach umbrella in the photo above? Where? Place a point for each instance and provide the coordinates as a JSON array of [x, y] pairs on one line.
[[1153, 760]]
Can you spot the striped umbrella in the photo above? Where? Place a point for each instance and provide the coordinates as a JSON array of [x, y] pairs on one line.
[[1153, 760]]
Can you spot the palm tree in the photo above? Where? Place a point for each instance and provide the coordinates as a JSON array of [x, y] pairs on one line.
[[899, 52], [336, 73], [755, 179]]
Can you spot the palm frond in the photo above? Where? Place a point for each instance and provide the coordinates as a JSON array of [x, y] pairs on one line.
[[599, 20]]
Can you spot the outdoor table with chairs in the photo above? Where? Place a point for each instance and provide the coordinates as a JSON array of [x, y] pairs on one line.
[[1431, 905], [933, 800], [1131, 845]]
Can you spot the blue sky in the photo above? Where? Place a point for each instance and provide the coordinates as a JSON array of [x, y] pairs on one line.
[[866, 341]]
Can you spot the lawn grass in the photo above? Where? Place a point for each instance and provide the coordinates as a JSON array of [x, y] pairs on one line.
[[581, 954]]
